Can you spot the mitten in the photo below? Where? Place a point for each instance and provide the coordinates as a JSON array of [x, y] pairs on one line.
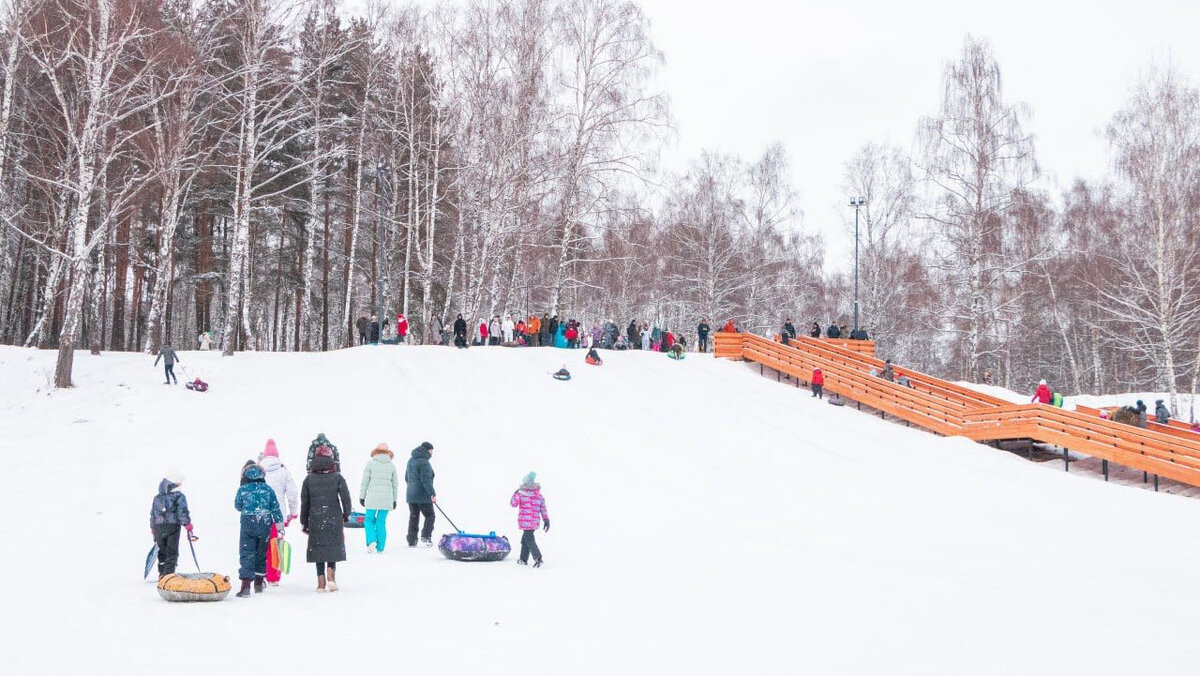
[[393, 505], [362, 502], [546, 527], [288, 522]]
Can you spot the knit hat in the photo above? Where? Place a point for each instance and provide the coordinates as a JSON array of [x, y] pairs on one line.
[[1042, 381], [174, 476], [382, 448], [529, 478], [325, 451], [253, 473], [426, 446], [270, 451]]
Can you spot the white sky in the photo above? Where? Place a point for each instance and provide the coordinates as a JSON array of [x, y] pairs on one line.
[[825, 77]]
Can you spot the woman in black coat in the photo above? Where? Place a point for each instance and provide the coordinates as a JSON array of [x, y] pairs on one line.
[[324, 509]]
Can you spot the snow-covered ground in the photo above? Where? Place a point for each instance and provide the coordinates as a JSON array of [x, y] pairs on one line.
[[706, 521], [997, 392]]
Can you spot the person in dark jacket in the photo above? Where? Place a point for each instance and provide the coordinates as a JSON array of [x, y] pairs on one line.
[[167, 354], [789, 328], [373, 330], [315, 447], [169, 513], [260, 510], [815, 332], [631, 333], [702, 330], [1140, 409], [362, 324], [460, 331], [833, 331], [324, 510], [420, 494], [1161, 412]]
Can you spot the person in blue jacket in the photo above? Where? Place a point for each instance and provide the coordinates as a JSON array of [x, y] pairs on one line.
[[260, 510], [420, 494]]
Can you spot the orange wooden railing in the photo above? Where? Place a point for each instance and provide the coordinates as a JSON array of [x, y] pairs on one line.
[[953, 410]]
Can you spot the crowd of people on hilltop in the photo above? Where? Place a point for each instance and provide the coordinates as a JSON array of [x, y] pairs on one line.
[[268, 501]]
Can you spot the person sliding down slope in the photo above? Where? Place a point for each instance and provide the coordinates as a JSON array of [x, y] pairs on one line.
[[593, 358], [532, 511]]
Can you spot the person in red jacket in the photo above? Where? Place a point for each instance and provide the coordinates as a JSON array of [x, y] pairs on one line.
[[729, 327], [818, 384], [1043, 394], [483, 333], [401, 327]]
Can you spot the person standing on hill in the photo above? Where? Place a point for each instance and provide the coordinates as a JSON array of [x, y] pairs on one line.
[[789, 328], [279, 478], [818, 384], [401, 328], [260, 512], [483, 332], [534, 327], [1161, 412], [168, 514], [378, 494], [460, 331], [324, 510], [1140, 409], [730, 327], [546, 332], [815, 331], [167, 354], [420, 495], [361, 324], [631, 333], [702, 330], [1043, 394], [889, 372], [833, 332], [531, 513], [314, 449], [508, 328]]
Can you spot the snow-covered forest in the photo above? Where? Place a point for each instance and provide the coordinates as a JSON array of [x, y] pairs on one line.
[[270, 170]]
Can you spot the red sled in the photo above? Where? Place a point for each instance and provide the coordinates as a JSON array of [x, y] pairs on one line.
[[197, 385]]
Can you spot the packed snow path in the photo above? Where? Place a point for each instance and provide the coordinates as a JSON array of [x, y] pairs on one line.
[[705, 521]]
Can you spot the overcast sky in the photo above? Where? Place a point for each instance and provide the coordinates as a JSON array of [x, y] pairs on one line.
[[826, 77]]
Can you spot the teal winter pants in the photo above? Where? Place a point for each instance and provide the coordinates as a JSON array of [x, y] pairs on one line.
[[375, 527]]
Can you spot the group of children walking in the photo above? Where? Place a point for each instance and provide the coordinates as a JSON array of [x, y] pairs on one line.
[[323, 506]]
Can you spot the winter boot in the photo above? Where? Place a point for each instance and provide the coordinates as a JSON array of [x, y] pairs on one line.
[[371, 548], [320, 584], [332, 583], [426, 542], [537, 563], [522, 562], [245, 592], [258, 584]]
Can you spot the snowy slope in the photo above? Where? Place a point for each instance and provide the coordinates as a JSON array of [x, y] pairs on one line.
[[997, 392], [706, 521]]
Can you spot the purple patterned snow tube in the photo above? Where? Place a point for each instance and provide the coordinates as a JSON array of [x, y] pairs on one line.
[[470, 547]]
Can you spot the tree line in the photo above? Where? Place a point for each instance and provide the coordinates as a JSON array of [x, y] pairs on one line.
[[269, 170]]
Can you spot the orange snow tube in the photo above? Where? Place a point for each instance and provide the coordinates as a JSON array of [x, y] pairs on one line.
[[193, 587]]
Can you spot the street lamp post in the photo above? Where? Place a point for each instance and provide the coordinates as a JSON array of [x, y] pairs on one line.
[[857, 203]]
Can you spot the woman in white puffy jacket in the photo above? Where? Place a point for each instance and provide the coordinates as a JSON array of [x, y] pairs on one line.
[[279, 478]]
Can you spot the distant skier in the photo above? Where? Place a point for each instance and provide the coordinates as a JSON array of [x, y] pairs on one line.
[[377, 494], [818, 384], [169, 513], [260, 512], [531, 513], [324, 510], [167, 354], [1161, 412], [280, 479], [420, 495], [1043, 395]]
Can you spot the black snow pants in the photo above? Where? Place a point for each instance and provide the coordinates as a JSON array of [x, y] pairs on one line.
[[252, 553], [818, 391], [169, 369], [166, 536], [414, 518], [529, 546]]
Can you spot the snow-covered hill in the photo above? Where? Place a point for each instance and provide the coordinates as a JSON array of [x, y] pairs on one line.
[[706, 521]]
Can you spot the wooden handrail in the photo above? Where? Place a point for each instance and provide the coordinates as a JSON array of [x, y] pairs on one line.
[[950, 409]]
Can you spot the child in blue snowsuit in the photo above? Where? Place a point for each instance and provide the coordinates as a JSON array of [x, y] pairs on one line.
[[260, 509]]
